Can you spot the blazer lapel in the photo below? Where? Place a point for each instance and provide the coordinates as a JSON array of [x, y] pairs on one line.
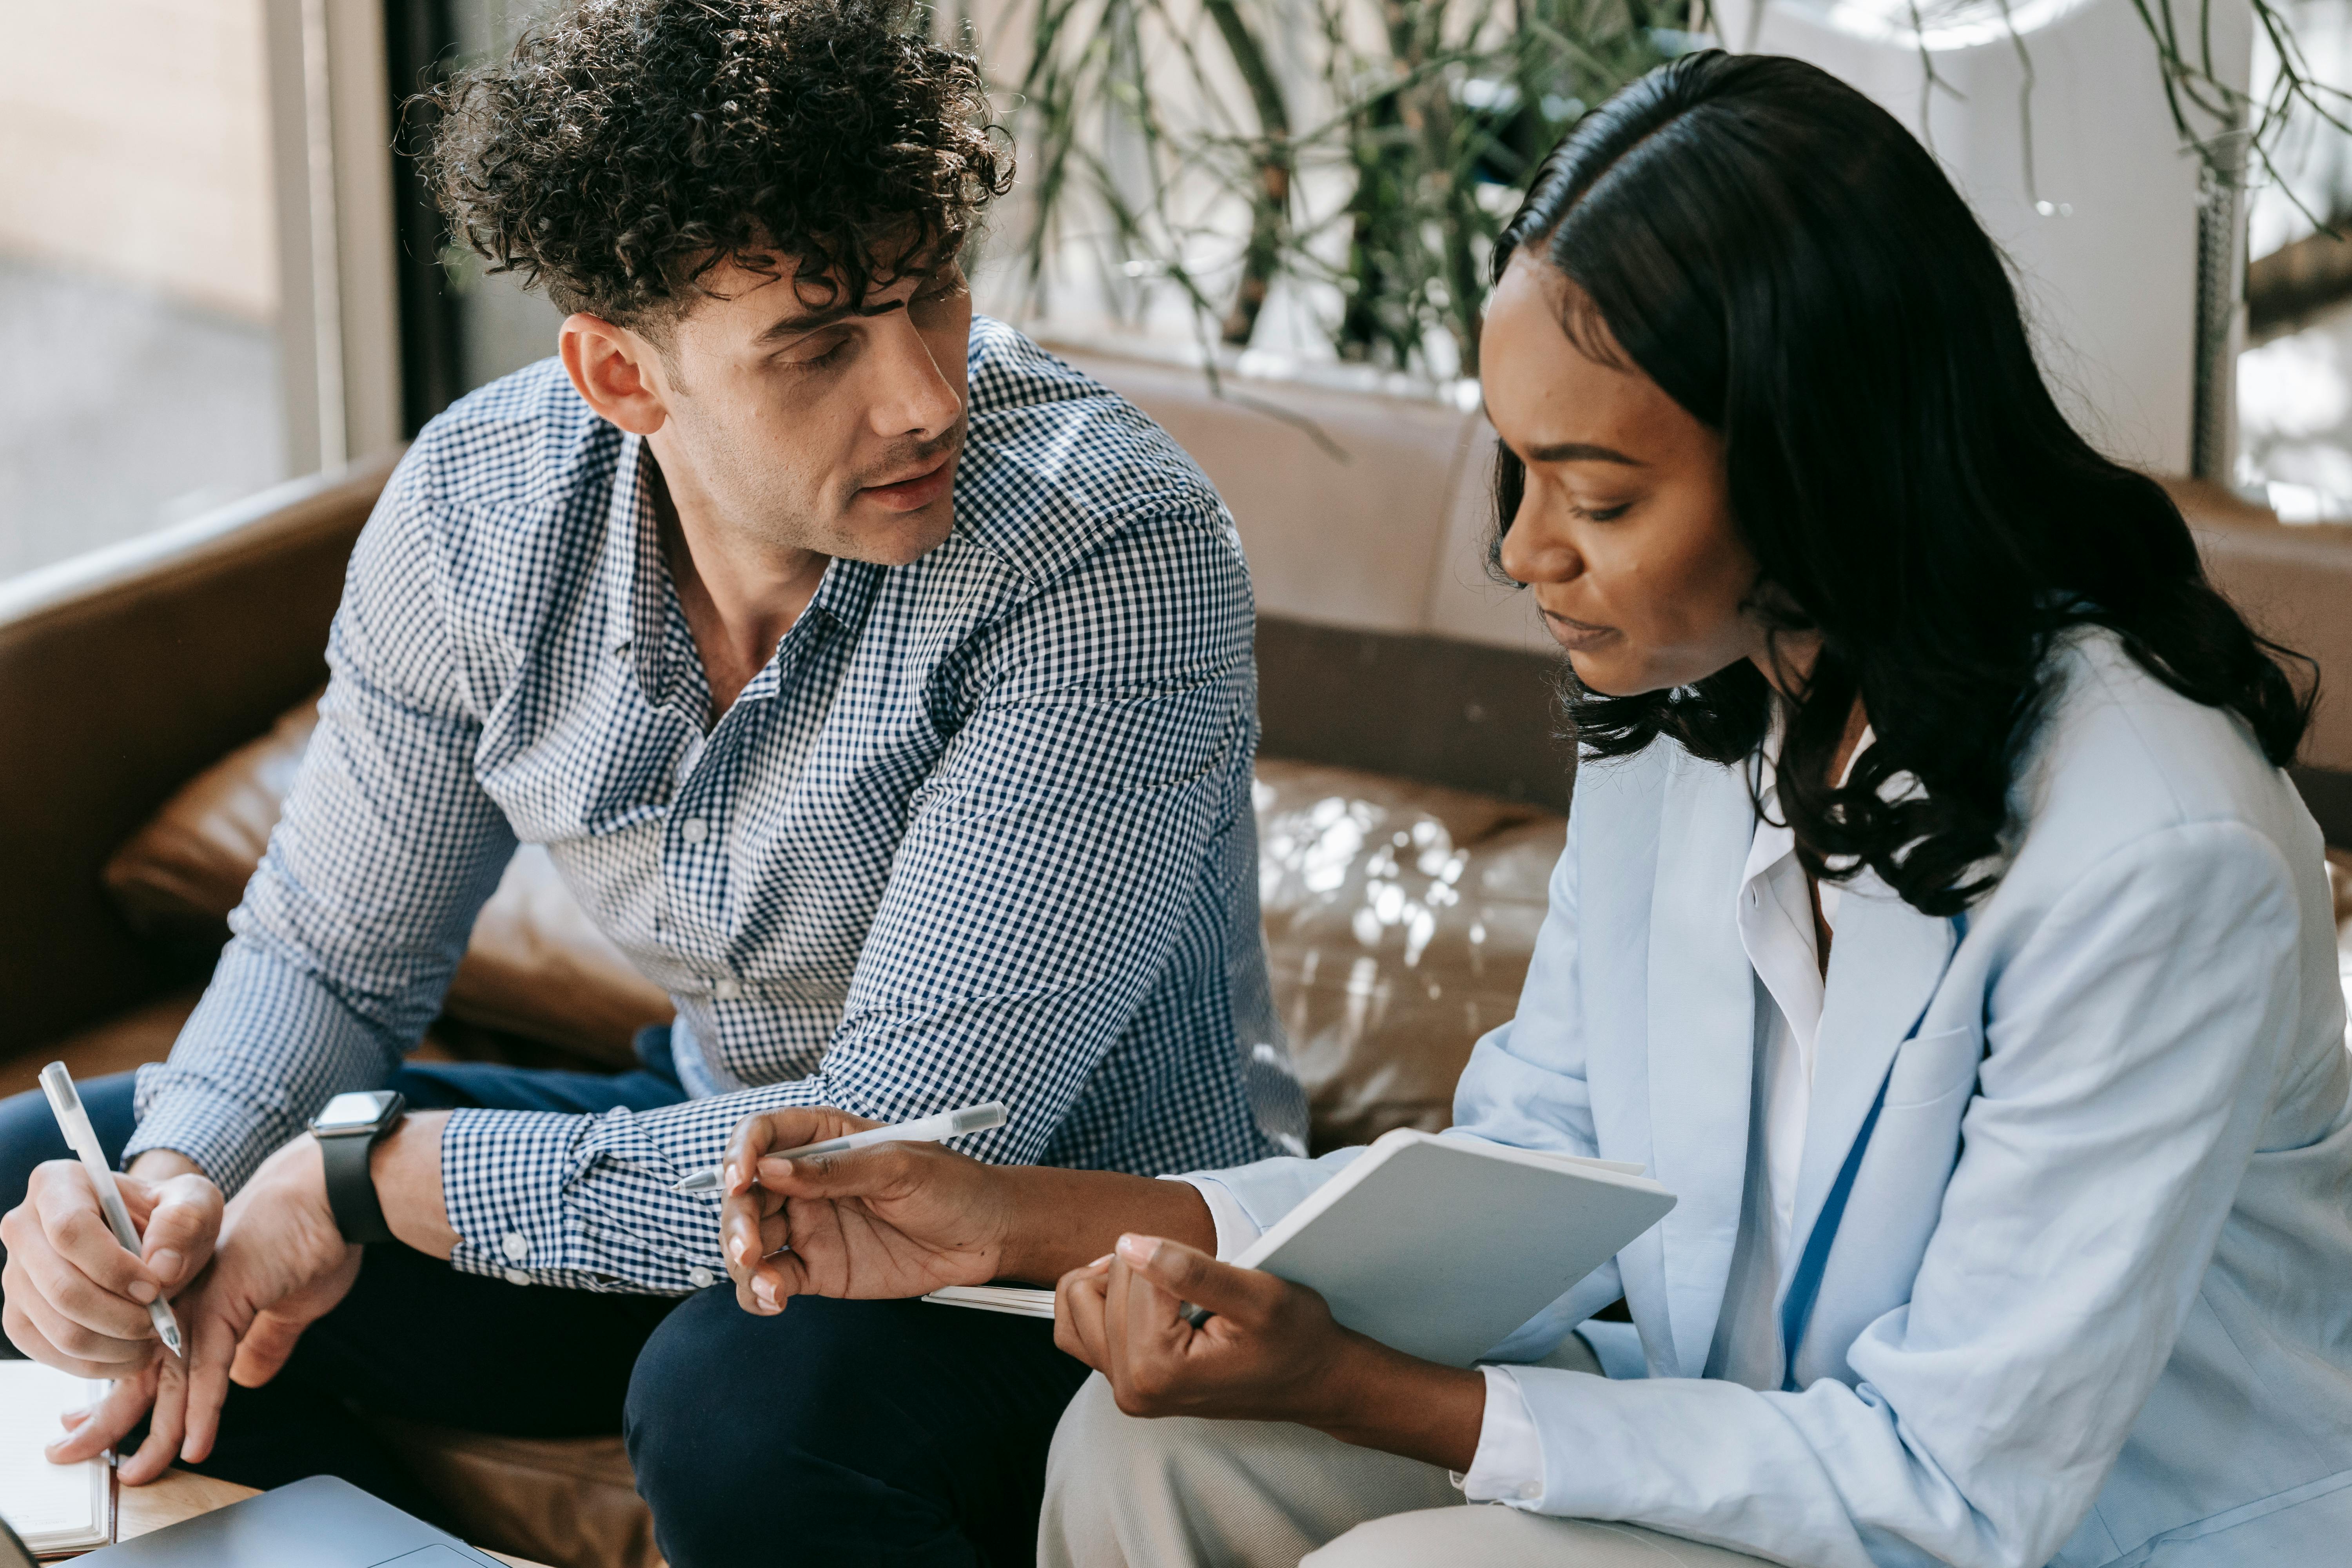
[[1614, 836], [1701, 1036], [1616, 845], [1886, 963]]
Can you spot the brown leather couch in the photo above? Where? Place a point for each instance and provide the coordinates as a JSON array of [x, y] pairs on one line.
[[1409, 799]]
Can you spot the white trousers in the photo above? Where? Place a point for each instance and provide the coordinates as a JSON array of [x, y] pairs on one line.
[[1176, 1493]]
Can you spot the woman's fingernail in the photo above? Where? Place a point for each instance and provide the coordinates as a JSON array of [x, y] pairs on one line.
[[166, 1264], [1102, 1262], [766, 1292], [142, 1291], [1137, 1249], [741, 1250], [734, 1175]]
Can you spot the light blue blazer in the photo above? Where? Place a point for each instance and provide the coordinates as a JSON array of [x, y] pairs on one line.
[[2075, 1281]]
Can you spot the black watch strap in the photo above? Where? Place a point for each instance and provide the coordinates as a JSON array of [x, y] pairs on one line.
[[351, 1188]]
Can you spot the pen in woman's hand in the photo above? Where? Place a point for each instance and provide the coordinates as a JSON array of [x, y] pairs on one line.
[[927, 1130]]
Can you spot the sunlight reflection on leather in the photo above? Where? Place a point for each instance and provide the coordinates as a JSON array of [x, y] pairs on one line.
[[1399, 918]]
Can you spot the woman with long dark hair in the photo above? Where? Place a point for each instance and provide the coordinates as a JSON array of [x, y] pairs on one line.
[[1936, 922]]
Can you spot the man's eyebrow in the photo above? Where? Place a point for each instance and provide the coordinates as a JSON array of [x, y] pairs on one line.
[[1582, 452], [794, 326]]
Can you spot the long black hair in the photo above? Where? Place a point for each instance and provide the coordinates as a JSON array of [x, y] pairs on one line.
[[1788, 264]]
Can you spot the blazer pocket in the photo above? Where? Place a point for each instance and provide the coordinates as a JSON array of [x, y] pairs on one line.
[[1930, 1067]]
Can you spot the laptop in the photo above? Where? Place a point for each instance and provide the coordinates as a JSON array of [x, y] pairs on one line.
[[322, 1523]]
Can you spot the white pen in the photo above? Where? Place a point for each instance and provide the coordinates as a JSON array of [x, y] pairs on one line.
[[64, 1100], [928, 1130]]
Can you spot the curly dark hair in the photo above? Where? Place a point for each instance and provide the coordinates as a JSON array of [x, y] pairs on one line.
[[625, 147]]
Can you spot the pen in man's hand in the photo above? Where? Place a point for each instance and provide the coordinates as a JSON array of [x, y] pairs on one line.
[[65, 1102], [927, 1130]]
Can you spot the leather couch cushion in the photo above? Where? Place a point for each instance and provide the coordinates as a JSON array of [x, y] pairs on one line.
[[536, 966], [1400, 919], [189, 865]]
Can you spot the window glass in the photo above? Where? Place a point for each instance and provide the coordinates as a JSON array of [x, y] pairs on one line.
[[139, 283], [2295, 380]]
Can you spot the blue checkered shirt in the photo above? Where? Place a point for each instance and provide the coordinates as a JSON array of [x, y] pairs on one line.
[[982, 829]]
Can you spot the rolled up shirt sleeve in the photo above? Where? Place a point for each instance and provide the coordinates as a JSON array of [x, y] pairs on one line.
[[356, 918], [1035, 900]]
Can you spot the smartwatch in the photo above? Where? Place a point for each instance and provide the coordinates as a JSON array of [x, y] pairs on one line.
[[347, 1130]]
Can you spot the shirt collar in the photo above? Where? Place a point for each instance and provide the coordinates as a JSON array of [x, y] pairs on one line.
[[638, 589], [636, 579], [1774, 840], [845, 594]]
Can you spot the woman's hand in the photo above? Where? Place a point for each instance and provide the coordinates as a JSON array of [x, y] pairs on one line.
[[900, 1219], [1271, 1352], [893, 1220]]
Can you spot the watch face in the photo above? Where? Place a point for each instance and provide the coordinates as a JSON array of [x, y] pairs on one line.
[[361, 1107]]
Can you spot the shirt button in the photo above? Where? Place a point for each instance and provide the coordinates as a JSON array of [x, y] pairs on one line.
[[517, 1277], [515, 1245], [694, 830], [728, 990], [700, 1279]]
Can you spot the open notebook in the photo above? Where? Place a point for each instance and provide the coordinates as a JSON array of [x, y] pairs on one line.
[[54, 1508], [1439, 1247]]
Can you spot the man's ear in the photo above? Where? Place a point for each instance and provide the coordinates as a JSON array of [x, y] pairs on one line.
[[615, 370]]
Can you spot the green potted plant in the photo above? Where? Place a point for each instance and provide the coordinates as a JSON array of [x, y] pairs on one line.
[[1365, 152]]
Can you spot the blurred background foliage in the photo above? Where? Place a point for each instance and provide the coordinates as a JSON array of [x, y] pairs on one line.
[[1363, 153], [1360, 155]]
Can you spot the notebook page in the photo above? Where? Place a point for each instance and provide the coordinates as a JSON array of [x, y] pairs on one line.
[[1021, 1301], [49, 1505]]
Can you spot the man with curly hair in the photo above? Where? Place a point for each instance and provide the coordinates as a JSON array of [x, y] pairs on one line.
[[880, 685]]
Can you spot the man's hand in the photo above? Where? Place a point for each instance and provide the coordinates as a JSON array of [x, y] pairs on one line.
[[76, 1299], [281, 1265], [101, 1427], [895, 1220], [1271, 1352]]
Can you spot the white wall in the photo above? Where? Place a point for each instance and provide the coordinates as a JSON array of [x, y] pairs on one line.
[[2110, 273]]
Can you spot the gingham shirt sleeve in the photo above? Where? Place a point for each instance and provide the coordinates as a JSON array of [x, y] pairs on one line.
[[355, 919], [1035, 898]]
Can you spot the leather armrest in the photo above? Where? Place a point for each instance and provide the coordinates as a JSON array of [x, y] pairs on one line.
[[122, 674]]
